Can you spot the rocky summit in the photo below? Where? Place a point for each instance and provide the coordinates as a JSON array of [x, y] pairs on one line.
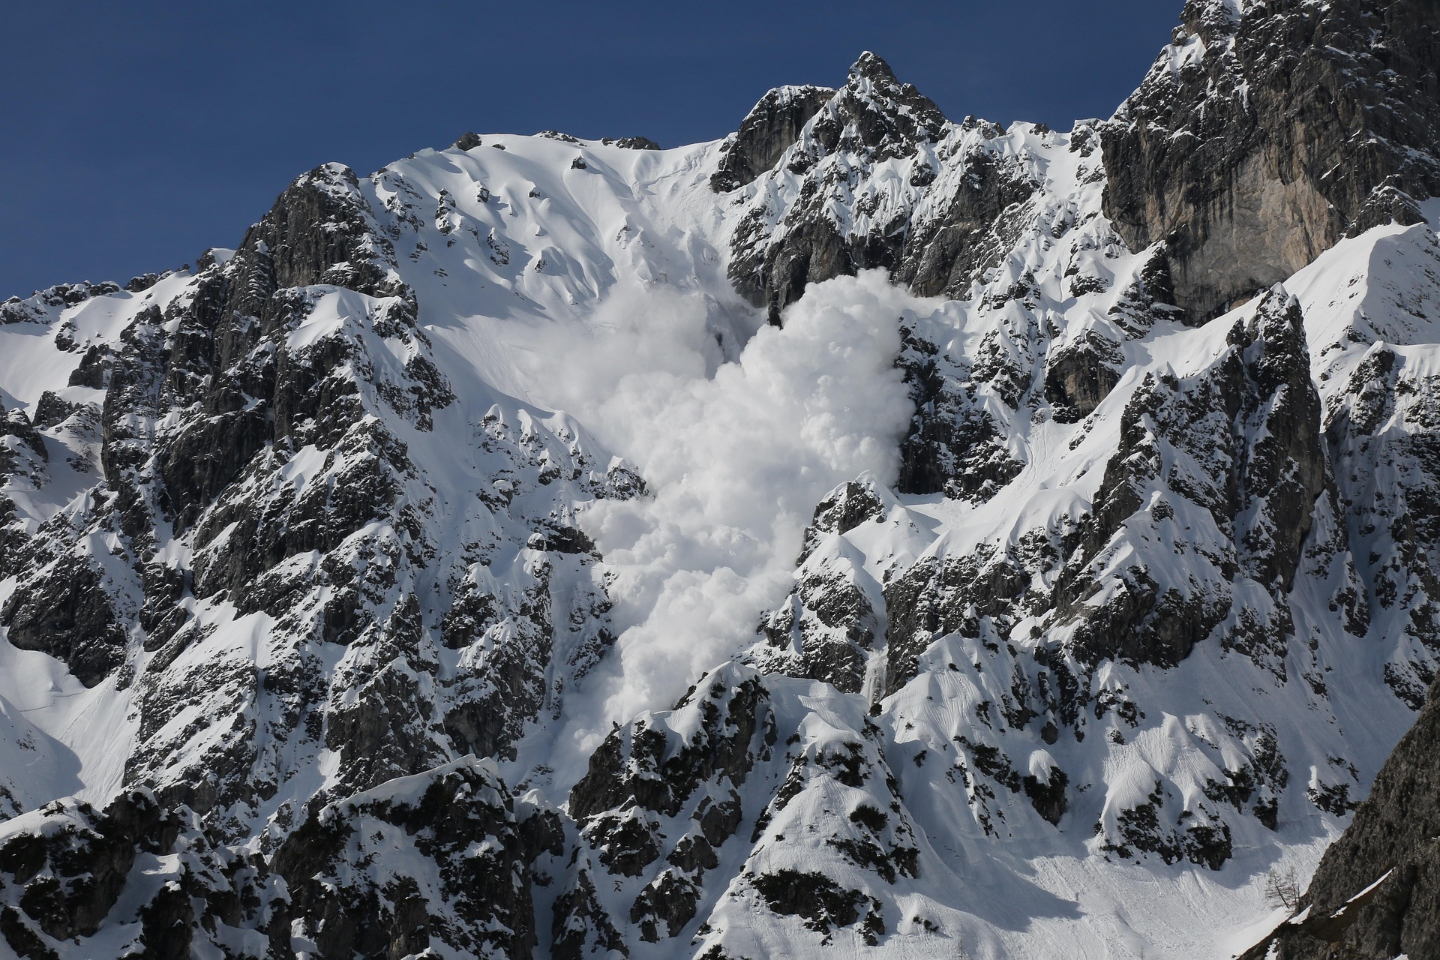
[[870, 534]]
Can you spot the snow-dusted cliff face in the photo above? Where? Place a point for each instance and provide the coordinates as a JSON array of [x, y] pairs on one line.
[[914, 570]]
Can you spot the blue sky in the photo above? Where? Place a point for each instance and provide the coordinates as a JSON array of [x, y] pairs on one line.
[[134, 135]]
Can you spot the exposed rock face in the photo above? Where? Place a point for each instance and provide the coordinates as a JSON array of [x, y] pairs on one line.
[[440, 859], [1376, 893], [1252, 425], [67, 612], [766, 133], [300, 348], [50, 300], [1267, 131], [632, 143], [1225, 466], [1240, 443], [22, 465], [659, 798], [954, 445], [827, 628], [935, 236], [1385, 417], [670, 798], [1080, 375], [878, 179], [351, 869], [149, 875]]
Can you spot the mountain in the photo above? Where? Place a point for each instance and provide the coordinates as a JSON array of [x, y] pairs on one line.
[[868, 534]]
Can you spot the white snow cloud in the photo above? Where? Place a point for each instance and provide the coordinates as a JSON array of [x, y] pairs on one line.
[[736, 455]]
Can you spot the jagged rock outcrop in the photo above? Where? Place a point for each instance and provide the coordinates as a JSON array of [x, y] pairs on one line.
[[766, 133], [1252, 427], [954, 445], [935, 234], [267, 418], [436, 861], [1267, 131], [659, 798], [1240, 444], [441, 858], [827, 627], [22, 466], [1384, 417], [1080, 375], [45, 304], [1215, 513], [149, 876]]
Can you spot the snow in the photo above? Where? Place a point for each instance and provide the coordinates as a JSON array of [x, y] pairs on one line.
[[68, 740], [737, 464], [586, 314]]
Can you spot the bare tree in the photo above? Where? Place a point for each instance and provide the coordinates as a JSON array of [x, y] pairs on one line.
[[1282, 888]]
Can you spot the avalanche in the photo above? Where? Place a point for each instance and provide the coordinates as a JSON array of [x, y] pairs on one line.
[[835, 539]]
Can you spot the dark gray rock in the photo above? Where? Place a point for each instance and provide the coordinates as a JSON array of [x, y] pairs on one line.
[[1080, 374], [766, 133], [458, 823], [638, 766], [1406, 558], [94, 369], [670, 899], [631, 143], [60, 296], [827, 626], [51, 411], [384, 725], [824, 631], [142, 283], [980, 222], [1267, 136], [822, 903], [1253, 424], [844, 509], [655, 806], [64, 610], [935, 597], [71, 870], [953, 445], [581, 926], [873, 118], [14, 423]]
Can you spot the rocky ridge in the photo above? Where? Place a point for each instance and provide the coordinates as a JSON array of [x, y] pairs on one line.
[[285, 546]]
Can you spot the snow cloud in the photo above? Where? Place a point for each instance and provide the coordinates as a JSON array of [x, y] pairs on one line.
[[736, 455]]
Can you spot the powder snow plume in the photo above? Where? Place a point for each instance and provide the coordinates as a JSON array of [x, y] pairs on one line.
[[735, 462]]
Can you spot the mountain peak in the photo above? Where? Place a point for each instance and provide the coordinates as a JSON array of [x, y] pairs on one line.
[[872, 67], [878, 113]]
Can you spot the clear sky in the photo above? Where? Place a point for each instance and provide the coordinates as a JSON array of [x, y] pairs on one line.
[[134, 135]]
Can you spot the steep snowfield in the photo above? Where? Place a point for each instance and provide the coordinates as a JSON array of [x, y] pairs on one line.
[[599, 466]]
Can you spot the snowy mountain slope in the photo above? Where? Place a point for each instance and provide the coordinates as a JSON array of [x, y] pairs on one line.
[[1374, 891], [1238, 727], [1100, 612]]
